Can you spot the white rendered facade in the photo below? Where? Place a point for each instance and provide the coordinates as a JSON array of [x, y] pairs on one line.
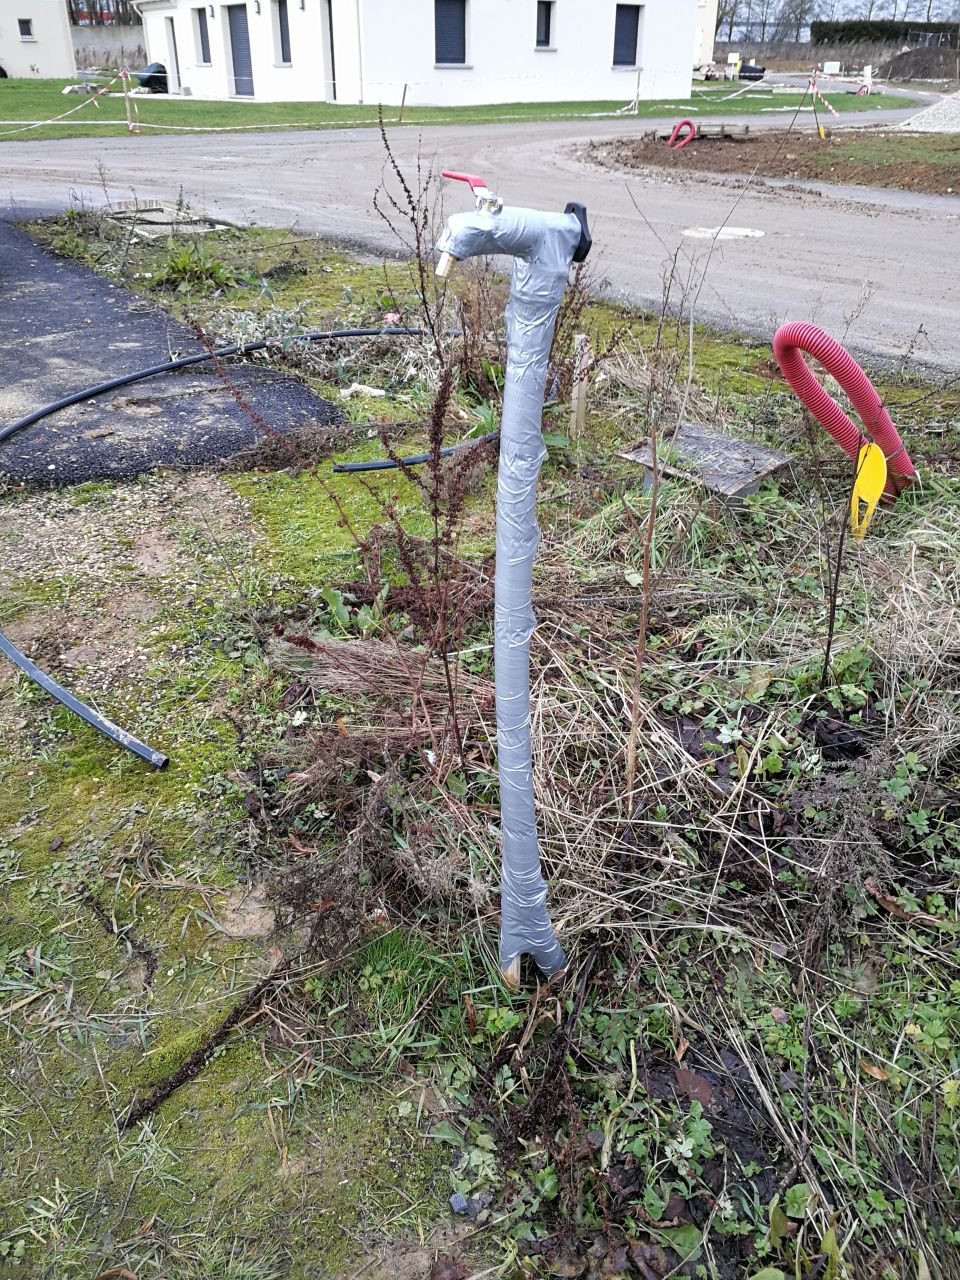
[[35, 39], [445, 52]]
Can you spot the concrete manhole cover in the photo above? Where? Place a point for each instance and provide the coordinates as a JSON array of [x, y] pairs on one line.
[[723, 233], [161, 218]]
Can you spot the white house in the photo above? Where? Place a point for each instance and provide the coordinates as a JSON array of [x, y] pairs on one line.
[[35, 39], [444, 52], [706, 31]]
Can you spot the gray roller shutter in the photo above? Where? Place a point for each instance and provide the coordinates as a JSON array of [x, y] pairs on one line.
[[450, 19], [240, 47], [283, 21], [625, 35], [204, 32]]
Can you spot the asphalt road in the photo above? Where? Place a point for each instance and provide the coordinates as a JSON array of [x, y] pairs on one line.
[[66, 328], [877, 267]]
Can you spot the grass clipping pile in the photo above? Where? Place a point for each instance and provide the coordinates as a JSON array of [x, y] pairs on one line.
[[752, 1060]]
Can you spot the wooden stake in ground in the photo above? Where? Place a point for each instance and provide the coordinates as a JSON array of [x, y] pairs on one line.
[[132, 126], [578, 401], [641, 651]]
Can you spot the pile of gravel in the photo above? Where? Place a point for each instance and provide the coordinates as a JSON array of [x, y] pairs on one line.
[[942, 117]]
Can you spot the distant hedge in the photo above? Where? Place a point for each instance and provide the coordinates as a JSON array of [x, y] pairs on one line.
[[857, 29]]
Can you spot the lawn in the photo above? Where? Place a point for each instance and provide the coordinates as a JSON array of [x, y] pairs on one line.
[[752, 1067], [31, 101]]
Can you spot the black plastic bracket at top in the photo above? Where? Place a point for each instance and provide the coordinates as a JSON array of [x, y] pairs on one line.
[[586, 239]]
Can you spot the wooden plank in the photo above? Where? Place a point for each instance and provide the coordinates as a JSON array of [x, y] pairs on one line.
[[724, 464]]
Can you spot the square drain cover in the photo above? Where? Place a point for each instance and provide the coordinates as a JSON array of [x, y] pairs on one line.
[[726, 466]]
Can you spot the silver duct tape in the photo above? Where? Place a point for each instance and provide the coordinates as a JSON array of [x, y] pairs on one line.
[[542, 245]]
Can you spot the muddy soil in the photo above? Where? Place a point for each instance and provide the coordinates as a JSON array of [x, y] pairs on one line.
[[802, 157]]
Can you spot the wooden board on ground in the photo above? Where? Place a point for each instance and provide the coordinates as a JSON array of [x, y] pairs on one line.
[[158, 219], [728, 467], [705, 133]]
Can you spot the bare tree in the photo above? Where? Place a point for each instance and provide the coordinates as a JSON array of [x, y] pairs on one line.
[[792, 17], [765, 13], [727, 12]]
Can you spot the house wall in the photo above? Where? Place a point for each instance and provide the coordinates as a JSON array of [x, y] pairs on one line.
[[706, 30], [504, 64], [306, 79], [382, 45], [49, 53]]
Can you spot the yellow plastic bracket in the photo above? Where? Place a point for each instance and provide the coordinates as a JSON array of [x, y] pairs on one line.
[[868, 487]]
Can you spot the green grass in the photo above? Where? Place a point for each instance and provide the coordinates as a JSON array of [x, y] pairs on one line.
[[940, 149], [40, 100]]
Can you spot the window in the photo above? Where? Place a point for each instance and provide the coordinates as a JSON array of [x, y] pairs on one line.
[[544, 23], [26, 28], [203, 36], [626, 35], [450, 26], [283, 31]]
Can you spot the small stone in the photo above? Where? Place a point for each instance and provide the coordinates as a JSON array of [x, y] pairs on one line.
[[458, 1203]]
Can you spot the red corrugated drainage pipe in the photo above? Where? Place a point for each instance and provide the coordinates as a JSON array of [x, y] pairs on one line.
[[789, 343], [675, 140]]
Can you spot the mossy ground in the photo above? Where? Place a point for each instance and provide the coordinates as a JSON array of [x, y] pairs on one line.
[[248, 1152], [272, 1163]]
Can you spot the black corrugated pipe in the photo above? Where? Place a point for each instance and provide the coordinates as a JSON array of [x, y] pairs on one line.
[[184, 362]]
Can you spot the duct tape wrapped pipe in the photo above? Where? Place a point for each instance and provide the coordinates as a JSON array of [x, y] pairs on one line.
[[542, 245]]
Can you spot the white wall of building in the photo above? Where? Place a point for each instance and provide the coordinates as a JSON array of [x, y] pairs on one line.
[[503, 61], [47, 51], [706, 31], [380, 46], [303, 79]]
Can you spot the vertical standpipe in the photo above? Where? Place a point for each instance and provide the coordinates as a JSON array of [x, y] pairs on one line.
[[542, 246]]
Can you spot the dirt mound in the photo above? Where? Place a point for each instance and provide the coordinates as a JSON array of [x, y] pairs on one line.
[[870, 159], [921, 64]]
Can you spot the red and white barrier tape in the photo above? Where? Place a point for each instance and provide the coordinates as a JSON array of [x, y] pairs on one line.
[[815, 91]]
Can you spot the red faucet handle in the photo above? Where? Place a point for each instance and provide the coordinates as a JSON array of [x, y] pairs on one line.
[[477, 185]]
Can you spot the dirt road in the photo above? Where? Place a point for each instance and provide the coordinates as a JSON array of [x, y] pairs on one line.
[[870, 264]]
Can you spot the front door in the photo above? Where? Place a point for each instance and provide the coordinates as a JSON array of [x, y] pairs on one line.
[[331, 93], [240, 47], [173, 70]]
